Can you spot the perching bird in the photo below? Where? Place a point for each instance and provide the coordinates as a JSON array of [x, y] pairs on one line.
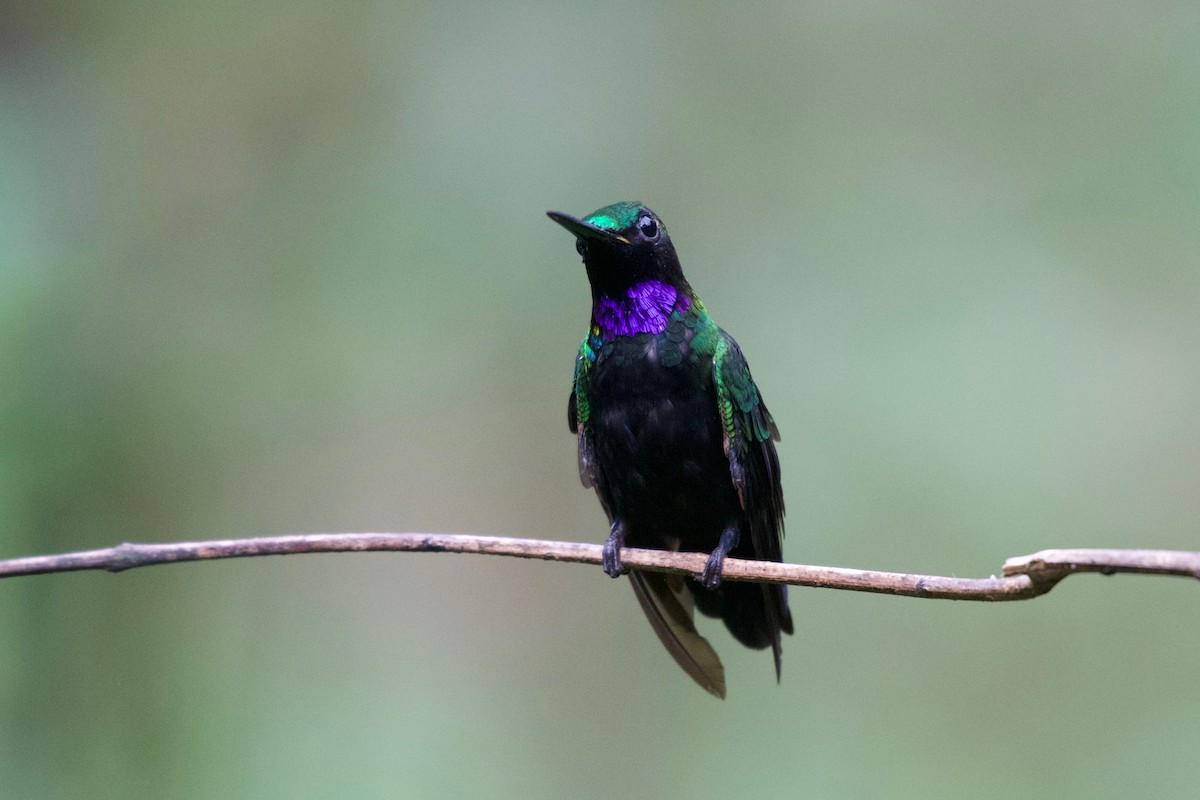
[[675, 439]]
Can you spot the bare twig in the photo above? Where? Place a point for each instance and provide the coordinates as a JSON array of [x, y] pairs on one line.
[[1024, 577]]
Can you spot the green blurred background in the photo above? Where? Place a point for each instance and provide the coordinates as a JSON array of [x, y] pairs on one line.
[[283, 267]]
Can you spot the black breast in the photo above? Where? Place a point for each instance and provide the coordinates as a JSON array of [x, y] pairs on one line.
[[659, 448]]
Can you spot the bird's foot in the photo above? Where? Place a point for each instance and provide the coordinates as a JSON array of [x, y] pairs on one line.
[[710, 578], [612, 551]]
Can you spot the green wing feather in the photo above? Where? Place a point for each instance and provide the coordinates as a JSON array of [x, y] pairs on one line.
[[578, 413], [749, 435]]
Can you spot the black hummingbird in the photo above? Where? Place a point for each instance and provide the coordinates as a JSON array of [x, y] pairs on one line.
[[675, 439]]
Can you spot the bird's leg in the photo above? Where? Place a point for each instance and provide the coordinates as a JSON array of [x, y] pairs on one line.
[[612, 550], [711, 577]]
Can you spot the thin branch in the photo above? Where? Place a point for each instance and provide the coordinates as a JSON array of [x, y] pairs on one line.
[[1024, 577]]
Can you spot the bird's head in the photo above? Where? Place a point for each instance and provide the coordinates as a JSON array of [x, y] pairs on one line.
[[623, 245]]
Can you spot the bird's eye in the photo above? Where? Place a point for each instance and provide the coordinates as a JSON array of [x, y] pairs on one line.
[[647, 226], [581, 247]]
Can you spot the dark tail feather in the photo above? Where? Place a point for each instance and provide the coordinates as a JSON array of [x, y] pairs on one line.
[[756, 614], [668, 606]]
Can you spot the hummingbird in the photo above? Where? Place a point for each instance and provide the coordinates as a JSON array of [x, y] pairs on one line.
[[675, 439]]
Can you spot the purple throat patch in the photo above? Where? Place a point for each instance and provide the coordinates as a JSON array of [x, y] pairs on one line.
[[645, 308]]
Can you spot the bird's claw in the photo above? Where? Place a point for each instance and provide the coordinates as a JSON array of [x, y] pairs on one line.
[[611, 552], [612, 561], [710, 578]]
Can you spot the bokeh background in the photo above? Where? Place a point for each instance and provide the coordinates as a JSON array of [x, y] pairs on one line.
[[283, 267]]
